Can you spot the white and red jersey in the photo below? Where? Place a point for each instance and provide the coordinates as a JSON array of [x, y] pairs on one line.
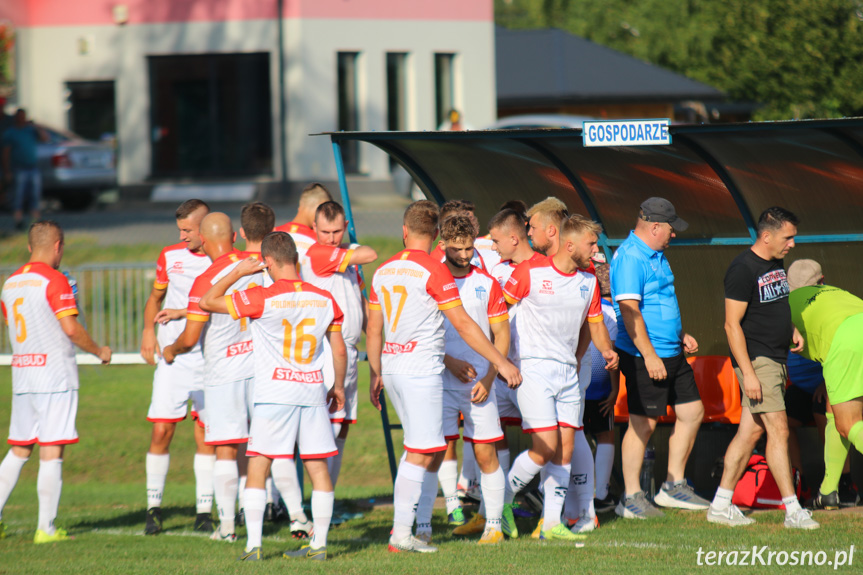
[[552, 308], [35, 298], [304, 237], [483, 301], [485, 247], [227, 342], [329, 270], [413, 289], [176, 271], [438, 253], [290, 321]]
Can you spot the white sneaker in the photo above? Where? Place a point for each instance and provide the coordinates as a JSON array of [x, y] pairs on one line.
[[680, 497], [217, 536], [410, 544], [584, 524], [802, 519], [731, 516], [302, 529]]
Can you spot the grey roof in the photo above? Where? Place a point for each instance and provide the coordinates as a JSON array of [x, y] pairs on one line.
[[553, 67]]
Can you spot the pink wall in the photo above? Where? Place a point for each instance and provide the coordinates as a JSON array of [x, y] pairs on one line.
[[40, 13]]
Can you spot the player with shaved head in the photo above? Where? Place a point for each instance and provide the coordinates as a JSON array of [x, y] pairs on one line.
[[41, 315]]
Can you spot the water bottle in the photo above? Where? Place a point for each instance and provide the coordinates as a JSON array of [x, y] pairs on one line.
[[648, 486]]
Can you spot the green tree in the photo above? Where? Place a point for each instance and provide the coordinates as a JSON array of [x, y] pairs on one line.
[[800, 59]]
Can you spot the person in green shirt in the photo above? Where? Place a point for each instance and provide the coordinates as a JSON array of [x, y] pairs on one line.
[[831, 322]]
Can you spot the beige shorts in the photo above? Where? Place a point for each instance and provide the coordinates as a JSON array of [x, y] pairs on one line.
[[773, 377]]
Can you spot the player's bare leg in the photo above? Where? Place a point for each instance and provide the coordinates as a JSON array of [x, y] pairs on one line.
[[632, 448], [205, 461]]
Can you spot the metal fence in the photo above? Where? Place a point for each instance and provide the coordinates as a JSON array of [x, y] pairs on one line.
[[111, 299]]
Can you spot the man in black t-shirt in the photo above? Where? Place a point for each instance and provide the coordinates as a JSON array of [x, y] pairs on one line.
[[759, 329]]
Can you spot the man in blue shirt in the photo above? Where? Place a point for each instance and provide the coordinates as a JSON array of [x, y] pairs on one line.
[[651, 344], [20, 144]]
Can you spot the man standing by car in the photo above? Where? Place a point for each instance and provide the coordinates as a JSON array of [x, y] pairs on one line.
[[20, 143]]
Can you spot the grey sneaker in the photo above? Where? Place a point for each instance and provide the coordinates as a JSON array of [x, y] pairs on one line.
[[731, 516], [410, 544], [801, 520], [254, 554], [637, 507], [680, 496]]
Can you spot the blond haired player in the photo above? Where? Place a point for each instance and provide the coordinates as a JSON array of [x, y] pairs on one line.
[[175, 384], [556, 298], [41, 314], [333, 267], [290, 320], [468, 381], [411, 293]]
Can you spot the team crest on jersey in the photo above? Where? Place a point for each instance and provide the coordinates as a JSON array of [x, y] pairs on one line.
[[481, 293], [584, 290], [546, 287], [177, 268]]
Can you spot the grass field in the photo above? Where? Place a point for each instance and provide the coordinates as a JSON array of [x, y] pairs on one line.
[[104, 501]]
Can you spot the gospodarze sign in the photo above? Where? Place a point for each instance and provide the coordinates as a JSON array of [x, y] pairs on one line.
[[626, 133]]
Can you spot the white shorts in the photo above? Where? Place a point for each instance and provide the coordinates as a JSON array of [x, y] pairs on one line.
[[174, 385], [507, 403], [348, 414], [549, 396], [418, 401], [44, 418], [229, 407], [481, 421], [277, 428]]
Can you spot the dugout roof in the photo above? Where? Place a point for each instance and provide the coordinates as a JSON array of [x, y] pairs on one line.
[[719, 177]]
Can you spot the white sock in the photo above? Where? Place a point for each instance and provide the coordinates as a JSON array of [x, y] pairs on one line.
[[522, 472], [285, 476], [226, 480], [157, 471], [10, 469], [425, 507], [503, 458], [603, 464], [722, 499], [334, 463], [204, 465], [49, 484], [322, 514], [406, 495], [556, 485], [492, 485], [448, 477], [268, 487], [256, 502], [792, 505], [241, 493], [579, 496], [468, 477]]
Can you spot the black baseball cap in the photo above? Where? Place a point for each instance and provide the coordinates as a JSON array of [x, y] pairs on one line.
[[661, 210]]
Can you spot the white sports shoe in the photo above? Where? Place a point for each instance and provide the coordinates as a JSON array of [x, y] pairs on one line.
[[584, 524], [802, 519], [731, 516], [411, 544], [302, 529], [217, 536]]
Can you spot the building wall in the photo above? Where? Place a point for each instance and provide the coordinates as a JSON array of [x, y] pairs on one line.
[[61, 41]]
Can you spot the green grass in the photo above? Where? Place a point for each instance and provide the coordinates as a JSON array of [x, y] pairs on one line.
[[104, 499]]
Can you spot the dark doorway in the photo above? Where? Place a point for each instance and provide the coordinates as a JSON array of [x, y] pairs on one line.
[[92, 112], [210, 115]]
